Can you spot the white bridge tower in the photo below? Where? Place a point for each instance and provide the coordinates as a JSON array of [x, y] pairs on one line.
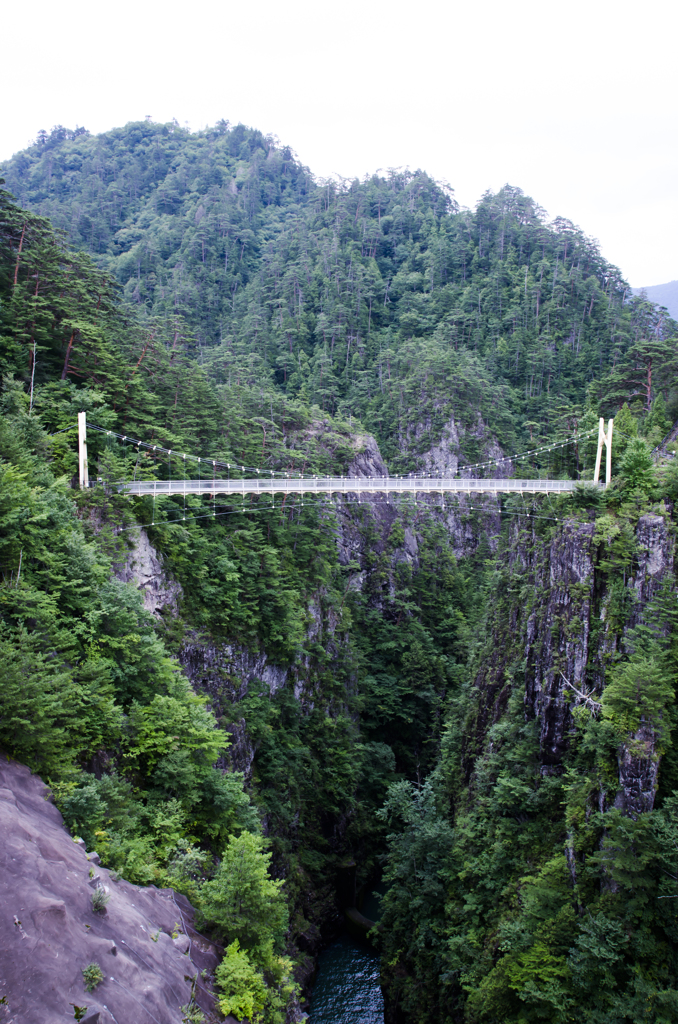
[[82, 450], [604, 439]]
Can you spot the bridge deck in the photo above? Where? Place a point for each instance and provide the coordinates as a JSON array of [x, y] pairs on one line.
[[346, 485]]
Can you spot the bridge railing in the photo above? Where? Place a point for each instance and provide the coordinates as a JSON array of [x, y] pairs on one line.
[[345, 485]]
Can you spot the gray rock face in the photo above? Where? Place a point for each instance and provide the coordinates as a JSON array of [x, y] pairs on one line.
[[226, 669], [224, 672], [457, 515], [49, 932], [557, 635], [368, 460], [444, 455], [143, 567], [467, 521], [638, 771], [551, 626], [654, 558], [638, 759]]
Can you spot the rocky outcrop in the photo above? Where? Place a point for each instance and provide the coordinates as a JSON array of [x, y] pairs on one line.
[[546, 634], [638, 761], [654, 561], [557, 635], [144, 568], [443, 456], [638, 758], [49, 932], [224, 672], [467, 521], [367, 461]]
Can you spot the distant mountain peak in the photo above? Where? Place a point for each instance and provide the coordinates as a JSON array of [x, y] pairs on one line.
[[663, 294]]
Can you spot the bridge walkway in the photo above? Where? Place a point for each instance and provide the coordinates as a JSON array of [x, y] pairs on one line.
[[348, 485]]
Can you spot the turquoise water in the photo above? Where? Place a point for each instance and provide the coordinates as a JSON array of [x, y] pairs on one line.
[[372, 903], [346, 990]]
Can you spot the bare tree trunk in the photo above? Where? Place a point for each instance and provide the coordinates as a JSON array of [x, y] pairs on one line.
[[30, 410], [648, 401], [18, 255], [68, 356]]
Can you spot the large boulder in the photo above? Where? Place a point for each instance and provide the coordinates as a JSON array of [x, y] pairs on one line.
[[49, 931]]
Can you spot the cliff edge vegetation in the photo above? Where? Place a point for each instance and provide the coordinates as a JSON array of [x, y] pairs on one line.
[[258, 703]]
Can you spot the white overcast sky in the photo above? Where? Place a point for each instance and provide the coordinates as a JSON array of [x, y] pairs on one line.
[[574, 102]]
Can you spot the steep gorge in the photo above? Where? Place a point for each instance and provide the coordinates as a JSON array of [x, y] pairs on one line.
[[269, 704], [548, 777]]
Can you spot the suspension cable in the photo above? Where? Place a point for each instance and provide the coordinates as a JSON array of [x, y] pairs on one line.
[[324, 502], [519, 457]]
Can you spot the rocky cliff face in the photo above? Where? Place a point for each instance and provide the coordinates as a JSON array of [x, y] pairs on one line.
[[222, 671], [225, 670], [638, 759], [638, 762], [466, 529], [143, 940], [557, 635], [654, 561], [444, 455], [144, 568], [544, 627]]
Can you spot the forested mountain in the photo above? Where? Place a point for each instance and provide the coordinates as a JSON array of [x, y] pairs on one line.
[[663, 294], [474, 701], [347, 295]]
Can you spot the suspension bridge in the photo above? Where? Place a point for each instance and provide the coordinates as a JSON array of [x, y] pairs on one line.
[[333, 485], [212, 479]]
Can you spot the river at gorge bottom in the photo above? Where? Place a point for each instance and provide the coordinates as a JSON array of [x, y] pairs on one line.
[[346, 989]]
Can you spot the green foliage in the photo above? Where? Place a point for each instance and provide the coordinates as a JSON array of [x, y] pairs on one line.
[[92, 975], [173, 724], [670, 480], [43, 709], [245, 992], [86, 673], [304, 313], [638, 691], [242, 901], [658, 422], [247, 906], [648, 365], [242, 988], [415, 873], [192, 1014], [541, 905], [637, 468], [406, 301], [99, 899], [249, 578]]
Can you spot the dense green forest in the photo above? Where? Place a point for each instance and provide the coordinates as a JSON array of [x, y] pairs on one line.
[[205, 293], [363, 298]]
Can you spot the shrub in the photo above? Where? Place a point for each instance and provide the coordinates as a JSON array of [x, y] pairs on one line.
[[243, 901], [99, 900], [637, 467], [192, 1014], [242, 987], [92, 974]]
